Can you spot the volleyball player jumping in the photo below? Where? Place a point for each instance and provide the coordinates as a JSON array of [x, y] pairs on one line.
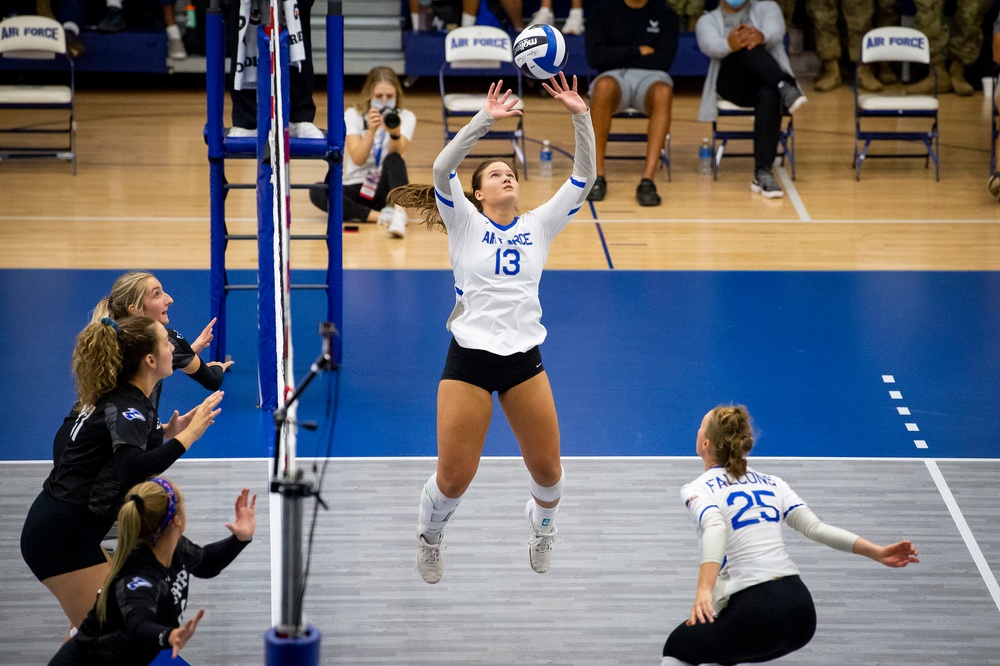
[[497, 255]]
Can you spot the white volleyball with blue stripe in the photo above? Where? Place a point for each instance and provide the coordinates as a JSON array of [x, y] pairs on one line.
[[540, 51]]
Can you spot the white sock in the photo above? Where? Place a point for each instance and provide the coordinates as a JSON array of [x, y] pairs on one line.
[[467, 20], [173, 31], [70, 26], [435, 510], [416, 21], [544, 518], [114, 3], [577, 13]]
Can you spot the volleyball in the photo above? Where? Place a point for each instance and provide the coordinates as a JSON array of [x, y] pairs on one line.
[[540, 51]]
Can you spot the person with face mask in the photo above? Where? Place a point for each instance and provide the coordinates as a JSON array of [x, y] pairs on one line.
[[378, 133], [746, 41]]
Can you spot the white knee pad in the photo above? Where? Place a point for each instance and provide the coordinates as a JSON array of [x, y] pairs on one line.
[[550, 494]]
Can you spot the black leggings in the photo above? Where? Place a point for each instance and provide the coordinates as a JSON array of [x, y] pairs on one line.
[[760, 623], [356, 207], [750, 77]]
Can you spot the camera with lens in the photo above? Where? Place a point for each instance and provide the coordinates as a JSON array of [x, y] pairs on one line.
[[390, 118]]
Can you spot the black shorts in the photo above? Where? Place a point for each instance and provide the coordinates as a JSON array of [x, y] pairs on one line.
[[491, 372], [58, 537]]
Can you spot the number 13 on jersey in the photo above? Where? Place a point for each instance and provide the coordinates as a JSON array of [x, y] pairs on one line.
[[507, 261]]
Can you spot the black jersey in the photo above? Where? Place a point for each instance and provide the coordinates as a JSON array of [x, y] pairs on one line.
[[102, 451], [146, 601], [184, 355], [615, 32]]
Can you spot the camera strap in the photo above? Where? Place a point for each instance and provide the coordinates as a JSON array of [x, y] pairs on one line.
[[373, 176]]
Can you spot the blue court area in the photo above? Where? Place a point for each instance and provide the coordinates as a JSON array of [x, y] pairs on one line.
[[635, 359]]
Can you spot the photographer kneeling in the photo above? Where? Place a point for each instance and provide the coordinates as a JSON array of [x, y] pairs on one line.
[[378, 132]]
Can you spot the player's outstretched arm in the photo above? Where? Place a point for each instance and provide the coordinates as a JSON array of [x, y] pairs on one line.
[[894, 555]]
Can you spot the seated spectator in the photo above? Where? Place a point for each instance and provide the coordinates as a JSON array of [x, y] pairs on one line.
[[114, 21], [379, 130], [71, 13], [574, 22], [633, 44], [749, 67], [505, 14]]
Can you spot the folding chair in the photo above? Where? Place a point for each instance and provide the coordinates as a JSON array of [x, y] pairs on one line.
[[637, 137], [896, 44], [36, 38], [722, 137], [488, 50]]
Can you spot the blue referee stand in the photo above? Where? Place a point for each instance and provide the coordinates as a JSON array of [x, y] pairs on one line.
[[290, 642]]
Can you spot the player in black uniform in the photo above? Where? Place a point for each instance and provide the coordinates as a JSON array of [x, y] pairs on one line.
[[111, 440], [138, 610], [140, 293]]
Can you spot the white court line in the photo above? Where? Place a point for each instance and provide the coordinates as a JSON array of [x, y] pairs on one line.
[[963, 528], [793, 194], [489, 458]]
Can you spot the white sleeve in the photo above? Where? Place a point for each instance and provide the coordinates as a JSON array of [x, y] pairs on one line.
[[706, 513], [451, 203], [803, 520], [556, 213], [353, 122], [407, 123]]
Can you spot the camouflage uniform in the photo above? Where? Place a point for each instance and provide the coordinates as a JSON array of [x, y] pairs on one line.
[[966, 37], [690, 8], [858, 17]]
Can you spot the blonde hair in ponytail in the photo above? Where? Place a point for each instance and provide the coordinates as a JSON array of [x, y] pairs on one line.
[[730, 431], [139, 522], [127, 294]]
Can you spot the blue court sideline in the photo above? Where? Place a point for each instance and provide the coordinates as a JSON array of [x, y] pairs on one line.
[[635, 359]]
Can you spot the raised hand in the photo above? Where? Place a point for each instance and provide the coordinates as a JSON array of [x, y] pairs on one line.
[[202, 416], [180, 636], [568, 97], [224, 365], [176, 424], [205, 339], [246, 520], [500, 105]]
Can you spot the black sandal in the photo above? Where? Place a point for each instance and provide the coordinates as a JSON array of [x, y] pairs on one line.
[[599, 189], [646, 193]]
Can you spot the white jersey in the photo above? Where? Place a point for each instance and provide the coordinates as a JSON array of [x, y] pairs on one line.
[[753, 509], [354, 174], [498, 267]]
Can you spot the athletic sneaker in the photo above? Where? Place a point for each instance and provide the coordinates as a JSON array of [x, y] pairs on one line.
[[113, 21], [430, 563], [791, 97], [544, 15], [574, 24], [397, 224], [385, 216], [646, 193], [540, 544], [599, 190], [764, 184], [305, 131], [175, 49], [242, 132]]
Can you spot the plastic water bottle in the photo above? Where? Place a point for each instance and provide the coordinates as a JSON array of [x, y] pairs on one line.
[[191, 14], [705, 158], [545, 160]]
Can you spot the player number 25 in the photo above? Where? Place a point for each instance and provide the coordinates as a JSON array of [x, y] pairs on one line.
[[767, 512]]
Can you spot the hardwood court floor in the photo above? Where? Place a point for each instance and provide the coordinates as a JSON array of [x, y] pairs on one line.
[[143, 184]]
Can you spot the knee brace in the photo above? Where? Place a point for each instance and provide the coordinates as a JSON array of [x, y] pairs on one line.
[[551, 493]]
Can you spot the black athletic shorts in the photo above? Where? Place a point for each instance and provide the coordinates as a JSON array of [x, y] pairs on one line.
[[490, 371], [59, 537]]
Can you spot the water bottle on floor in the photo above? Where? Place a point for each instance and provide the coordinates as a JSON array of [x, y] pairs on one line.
[[545, 160], [705, 158]]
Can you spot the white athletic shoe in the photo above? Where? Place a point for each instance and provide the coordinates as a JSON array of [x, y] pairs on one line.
[[305, 131], [540, 544], [241, 132], [543, 15], [430, 563], [397, 224], [573, 25], [175, 49], [385, 216]]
